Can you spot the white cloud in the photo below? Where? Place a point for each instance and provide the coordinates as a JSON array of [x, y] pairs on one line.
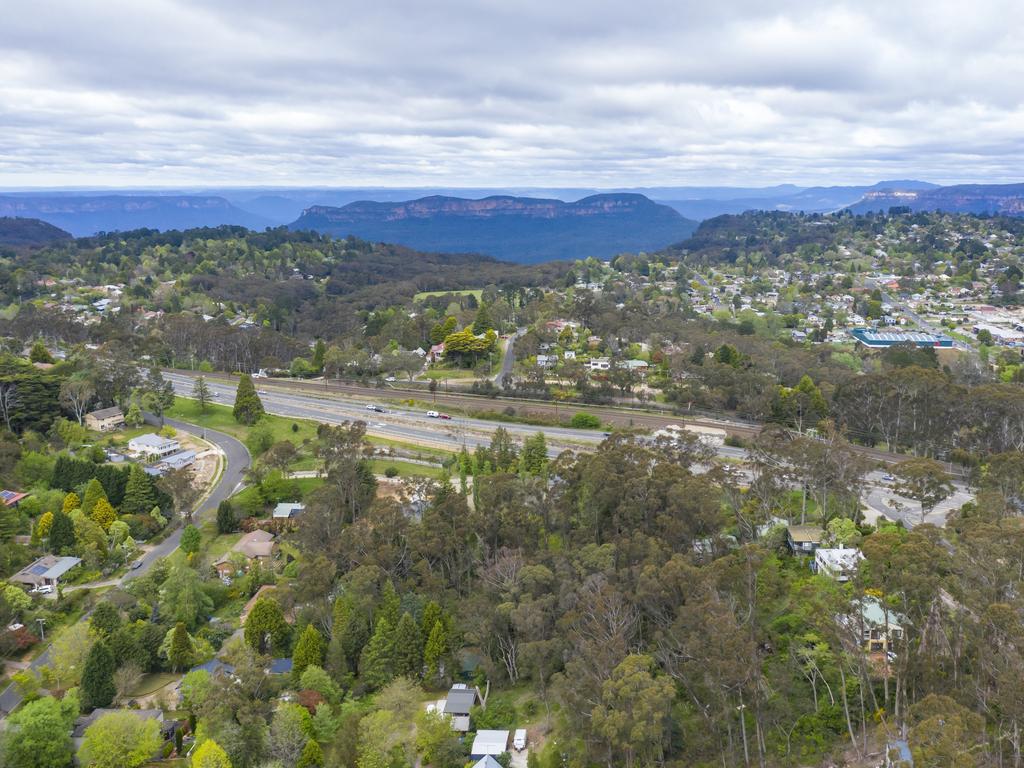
[[471, 92]]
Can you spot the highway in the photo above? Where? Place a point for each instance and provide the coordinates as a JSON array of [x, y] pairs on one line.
[[413, 426]]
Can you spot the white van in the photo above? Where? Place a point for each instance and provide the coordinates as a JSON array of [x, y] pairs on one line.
[[433, 415], [519, 740]]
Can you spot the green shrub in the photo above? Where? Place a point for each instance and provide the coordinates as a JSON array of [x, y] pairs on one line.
[[585, 421], [391, 472]]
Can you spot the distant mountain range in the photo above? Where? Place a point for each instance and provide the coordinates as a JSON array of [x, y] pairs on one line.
[[1002, 199], [83, 215], [521, 224], [20, 233], [520, 229]]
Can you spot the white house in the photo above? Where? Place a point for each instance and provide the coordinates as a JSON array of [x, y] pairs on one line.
[[600, 364], [840, 564], [489, 743], [152, 444], [288, 509]]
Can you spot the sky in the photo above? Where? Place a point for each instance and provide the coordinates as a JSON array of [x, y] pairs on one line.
[[497, 93]]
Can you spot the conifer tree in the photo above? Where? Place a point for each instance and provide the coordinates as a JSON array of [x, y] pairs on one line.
[[435, 650], [62, 533], [93, 493], [309, 650], [312, 756], [180, 655], [377, 661], [248, 406], [98, 688], [408, 648], [103, 514], [139, 497], [71, 501]]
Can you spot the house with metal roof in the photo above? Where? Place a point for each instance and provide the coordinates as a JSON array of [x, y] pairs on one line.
[[461, 699], [104, 419], [152, 444], [12, 498], [47, 570], [288, 509], [489, 743]]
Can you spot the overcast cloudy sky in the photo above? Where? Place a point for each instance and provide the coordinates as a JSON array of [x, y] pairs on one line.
[[493, 93]]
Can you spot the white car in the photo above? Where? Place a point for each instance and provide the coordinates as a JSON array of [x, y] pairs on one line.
[[433, 415], [42, 589], [519, 740], [390, 379], [376, 408]]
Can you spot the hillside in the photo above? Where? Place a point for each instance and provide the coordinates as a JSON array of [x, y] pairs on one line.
[[1002, 199], [84, 215], [21, 232], [524, 230]]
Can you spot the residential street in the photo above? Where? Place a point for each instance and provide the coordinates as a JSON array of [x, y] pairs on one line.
[[237, 462]]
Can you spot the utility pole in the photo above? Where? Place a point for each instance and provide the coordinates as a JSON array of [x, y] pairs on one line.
[[42, 631]]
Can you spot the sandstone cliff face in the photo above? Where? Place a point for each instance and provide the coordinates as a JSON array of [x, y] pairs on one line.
[[515, 228], [488, 207], [1005, 199]]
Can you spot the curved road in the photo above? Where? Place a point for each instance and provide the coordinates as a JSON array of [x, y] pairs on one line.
[[237, 461]]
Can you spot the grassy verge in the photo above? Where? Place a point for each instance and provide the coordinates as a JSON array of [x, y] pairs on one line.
[[405, 469], [440, 374], [220, 418]]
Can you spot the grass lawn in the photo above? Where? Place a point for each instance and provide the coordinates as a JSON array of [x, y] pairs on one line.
[[448, 373], [413, 450], [152, 683], [427, 294], [219, 417], [405, 468]]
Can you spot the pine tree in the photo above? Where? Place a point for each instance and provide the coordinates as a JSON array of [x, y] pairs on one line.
[[377, 662], [482, 323], [201, 392], [62, 533], [139, 496], [265, 628], [389, 606], [103, 514], [408, 648], [248, 406], [71, 501], [312, 756], [309, 650], [432, 613], [319, 354], [190, 540], [534, 458], [435, 650], [39, 353], [98, 677], [180, 655], [93, 493], [226, 520]]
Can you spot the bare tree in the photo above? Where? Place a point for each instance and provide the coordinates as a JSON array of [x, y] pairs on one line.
[[76, 395], [10, 397]]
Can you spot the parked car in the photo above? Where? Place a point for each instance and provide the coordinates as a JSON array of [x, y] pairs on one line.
[[42, 589], [376, 408], [390, 379], [519, 740], [137, 564]]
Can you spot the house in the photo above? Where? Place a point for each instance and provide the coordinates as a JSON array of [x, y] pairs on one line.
[[288, 509], [489, 743], [144, 715], [640, 366], [568, 355], [152, 444], [461, 699], [436, 353], [46, 571], [487, 762], [545, 361], [803, 539], [600, 364], [12, 498], [879, 628], [105, 419], [839, 564], [255, 546], [179, 460]]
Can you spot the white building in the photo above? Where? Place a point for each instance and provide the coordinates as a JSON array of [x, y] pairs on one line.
[[152, 444], [840, 564], [600, 364]]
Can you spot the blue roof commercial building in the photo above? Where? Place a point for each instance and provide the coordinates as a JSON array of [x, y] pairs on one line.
[[873, 339]]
